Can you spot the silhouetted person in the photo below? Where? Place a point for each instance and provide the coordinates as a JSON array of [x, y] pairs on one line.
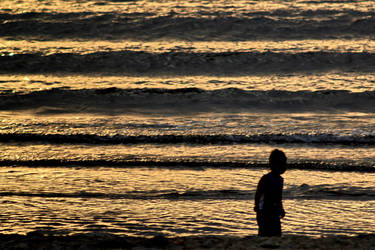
[[268, 197]]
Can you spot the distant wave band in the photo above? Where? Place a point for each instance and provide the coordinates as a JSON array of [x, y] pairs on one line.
[[114, 100], [129, 62], [188, 139], [281, 24]]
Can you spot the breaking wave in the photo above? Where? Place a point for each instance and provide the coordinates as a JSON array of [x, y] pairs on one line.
[[114, 100], [189, 139], [128, 62], [189, 164], [204, 25]]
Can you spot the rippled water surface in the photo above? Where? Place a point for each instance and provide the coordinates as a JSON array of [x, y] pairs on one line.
[[144, 201], [148, 117]]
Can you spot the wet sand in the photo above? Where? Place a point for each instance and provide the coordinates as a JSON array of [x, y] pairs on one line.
[[40, 240]]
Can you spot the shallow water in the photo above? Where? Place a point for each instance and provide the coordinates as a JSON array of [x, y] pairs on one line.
[[144, 201], [148, 117]]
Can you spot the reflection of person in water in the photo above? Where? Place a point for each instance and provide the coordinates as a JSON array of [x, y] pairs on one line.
[[268, 197]]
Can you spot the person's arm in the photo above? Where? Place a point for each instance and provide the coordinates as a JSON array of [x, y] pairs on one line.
[[258, 194], [282, 211]]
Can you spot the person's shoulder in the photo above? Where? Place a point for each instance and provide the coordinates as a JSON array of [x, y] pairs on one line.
[[265, 177], [271, 177]]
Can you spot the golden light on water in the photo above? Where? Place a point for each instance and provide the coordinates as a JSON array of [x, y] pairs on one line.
[[109, 105], [181, 7], [142, 215], [181, 46]]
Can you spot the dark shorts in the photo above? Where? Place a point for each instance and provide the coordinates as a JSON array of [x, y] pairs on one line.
[[269, 224]]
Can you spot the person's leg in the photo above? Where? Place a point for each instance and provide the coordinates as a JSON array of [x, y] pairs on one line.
[[274, 226], [261, 224], [269, 225]]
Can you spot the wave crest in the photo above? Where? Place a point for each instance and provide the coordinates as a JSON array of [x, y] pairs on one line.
[[187, 63], [187, 100]]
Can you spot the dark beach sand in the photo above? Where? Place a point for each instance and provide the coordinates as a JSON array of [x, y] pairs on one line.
[[37, 240]]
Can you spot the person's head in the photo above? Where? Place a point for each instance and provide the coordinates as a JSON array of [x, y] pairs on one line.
[[277, 161]]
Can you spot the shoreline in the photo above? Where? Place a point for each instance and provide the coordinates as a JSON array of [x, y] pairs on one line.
[[41, 240]]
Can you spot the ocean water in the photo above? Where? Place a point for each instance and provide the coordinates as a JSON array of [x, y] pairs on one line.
[[157, 117]]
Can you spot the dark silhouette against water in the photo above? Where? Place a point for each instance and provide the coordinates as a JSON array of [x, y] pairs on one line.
[[268, 197]]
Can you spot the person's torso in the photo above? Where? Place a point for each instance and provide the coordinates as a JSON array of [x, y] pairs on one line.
[[270, 199]]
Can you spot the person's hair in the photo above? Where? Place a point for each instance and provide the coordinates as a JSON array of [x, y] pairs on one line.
[[277, 161]]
